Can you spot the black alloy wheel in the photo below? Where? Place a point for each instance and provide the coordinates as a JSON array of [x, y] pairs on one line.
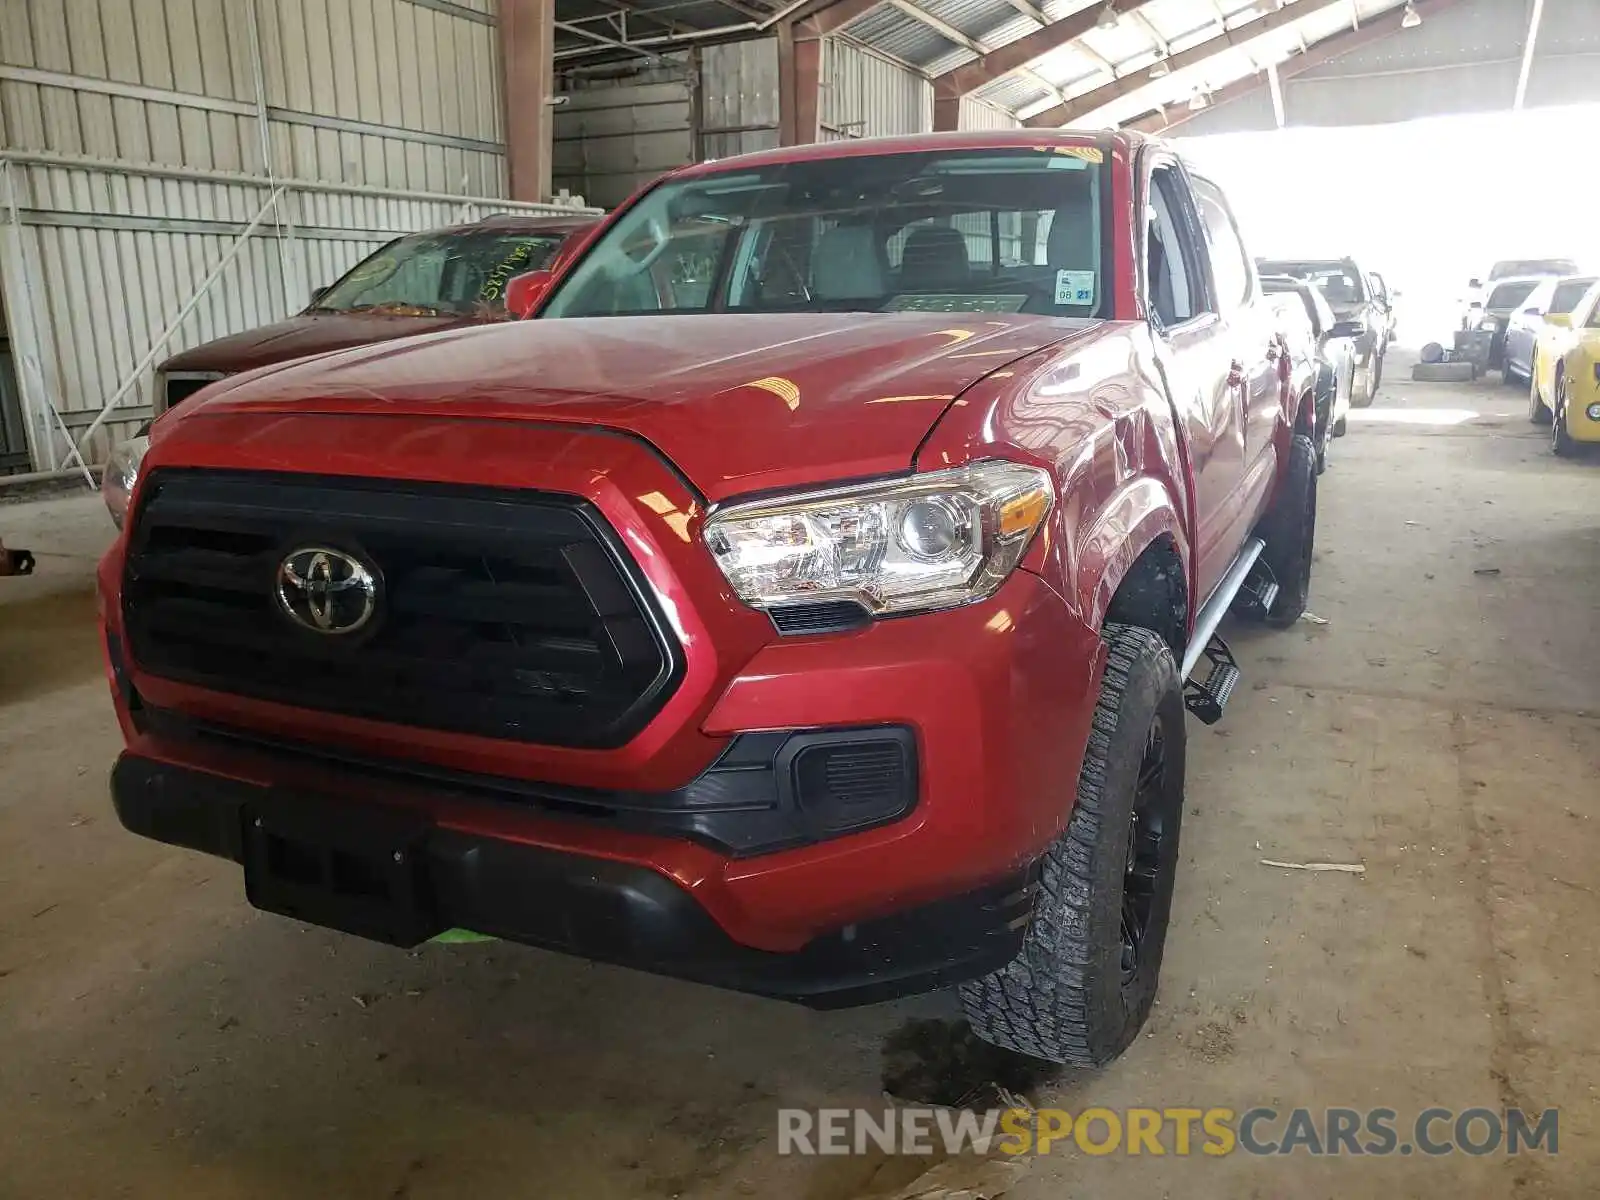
[[1147, 846]]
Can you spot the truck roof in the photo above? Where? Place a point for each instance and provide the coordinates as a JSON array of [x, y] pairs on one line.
[[1115, 140], [521, 223]]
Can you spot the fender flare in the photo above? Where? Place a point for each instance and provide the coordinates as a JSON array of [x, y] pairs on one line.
[[1136, 514]]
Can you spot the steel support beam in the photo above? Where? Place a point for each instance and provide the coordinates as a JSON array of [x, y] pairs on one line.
[[1012, 57], [1527, 56], [1275, 82], [1376, 29], [527, 54], [1065, 114]]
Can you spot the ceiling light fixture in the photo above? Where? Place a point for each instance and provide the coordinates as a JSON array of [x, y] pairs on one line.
[[1198, 101], [1162, 67], [1109, 16], [1412, 17]]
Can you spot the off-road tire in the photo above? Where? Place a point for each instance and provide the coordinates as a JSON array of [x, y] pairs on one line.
[[1341, 427], [1562, 444], [1377, 371], [1290, 531], [1538, 412], [1065, 998]]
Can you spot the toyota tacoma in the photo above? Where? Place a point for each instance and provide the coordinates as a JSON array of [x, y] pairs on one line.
[[801, 603]]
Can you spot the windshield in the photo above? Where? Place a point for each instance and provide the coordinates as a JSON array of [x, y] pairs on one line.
[[1339, 282], [996, 231], [1567, 294], [1509, 295], [431, 274], [1532, 266]]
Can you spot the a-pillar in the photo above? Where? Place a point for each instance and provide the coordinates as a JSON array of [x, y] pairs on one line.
[[527, 55]]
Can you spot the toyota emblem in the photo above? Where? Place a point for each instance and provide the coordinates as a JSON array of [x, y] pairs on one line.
[[326, 590]]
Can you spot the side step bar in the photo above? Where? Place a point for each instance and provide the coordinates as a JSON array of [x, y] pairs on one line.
[[1212, 611], [1208, 697]]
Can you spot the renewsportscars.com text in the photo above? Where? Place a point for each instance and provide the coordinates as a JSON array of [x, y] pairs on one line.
[[1344, 1132]]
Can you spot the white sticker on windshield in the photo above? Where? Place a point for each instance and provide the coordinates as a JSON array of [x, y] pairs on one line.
[[1074, 287]]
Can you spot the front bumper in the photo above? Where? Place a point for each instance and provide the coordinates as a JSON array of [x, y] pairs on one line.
[[1580, 425], [390, 875], [996, 698]]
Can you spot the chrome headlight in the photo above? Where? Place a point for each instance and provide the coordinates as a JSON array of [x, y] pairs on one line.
[[121, 473], [925, 542]]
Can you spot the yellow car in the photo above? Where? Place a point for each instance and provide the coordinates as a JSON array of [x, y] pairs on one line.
[[1565, 375]]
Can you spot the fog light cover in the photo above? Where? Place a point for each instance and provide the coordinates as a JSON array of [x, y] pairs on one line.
[[1593, 412], [924, 542]]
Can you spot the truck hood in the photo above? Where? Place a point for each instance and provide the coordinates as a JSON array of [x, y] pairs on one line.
[[297, 337], [738, 403]]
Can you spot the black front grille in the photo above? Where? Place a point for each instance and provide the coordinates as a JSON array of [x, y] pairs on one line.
[[507, 614]]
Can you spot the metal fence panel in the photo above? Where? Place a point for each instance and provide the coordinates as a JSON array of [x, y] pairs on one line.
[[738, 98], [609, 140]]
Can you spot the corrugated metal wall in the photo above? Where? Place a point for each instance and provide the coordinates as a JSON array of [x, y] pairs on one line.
[[122, 125], [391, 93], [866, 95], [415, 104], [975, 114], [619, 130]]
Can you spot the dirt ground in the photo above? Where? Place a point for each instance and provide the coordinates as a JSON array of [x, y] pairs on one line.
[[160, 1038]]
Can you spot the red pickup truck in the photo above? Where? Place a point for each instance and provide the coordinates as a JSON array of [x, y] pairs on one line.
[[802, 603]]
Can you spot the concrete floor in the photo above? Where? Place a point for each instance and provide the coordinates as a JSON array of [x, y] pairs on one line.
[[158, 1037]]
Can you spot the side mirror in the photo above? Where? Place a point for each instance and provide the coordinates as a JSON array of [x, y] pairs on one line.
[[525, 292], [1559, 320], [1474, 283], [316, 295], [1346, 329]]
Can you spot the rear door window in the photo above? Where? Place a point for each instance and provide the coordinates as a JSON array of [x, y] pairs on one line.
[[1230, 265]]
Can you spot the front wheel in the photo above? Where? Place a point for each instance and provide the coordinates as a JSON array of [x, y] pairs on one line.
[[1561, 443], [1086, 977], [1537, 412], [1377, 372]]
